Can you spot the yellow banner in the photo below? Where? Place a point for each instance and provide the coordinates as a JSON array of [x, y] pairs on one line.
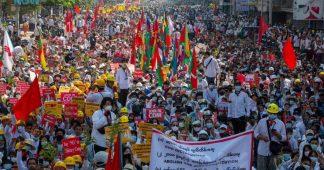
[[80, 102], [90, 108], [142, 151]]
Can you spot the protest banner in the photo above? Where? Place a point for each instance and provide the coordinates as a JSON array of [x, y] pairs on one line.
[[64, 89], [138, 74], [142, 152], [70, 110], [90, 108], [79, 100], [157, 113], [51, 107], [12, 101], [72, 146], [3, 88], [207, 155], [48, 93], [49, 119], [126, 134], [22, 87], [66, 97]]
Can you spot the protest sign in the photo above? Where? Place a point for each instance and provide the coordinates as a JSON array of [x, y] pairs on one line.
[[72, 146], [80, 102], [208, 155], [49, 119], [126, 134], [142, 152], [66, 97], [70, 110], [64, 89], [90, 108], [138, 74], [157, 113], [51, 107], [48, 93], [3, 88], [12, 101]]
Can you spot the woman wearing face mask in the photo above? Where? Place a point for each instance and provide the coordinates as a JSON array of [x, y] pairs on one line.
[[128, 161], [210, 129], [196, 127], [102, 118]]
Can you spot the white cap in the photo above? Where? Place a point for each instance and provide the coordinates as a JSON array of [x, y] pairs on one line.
[[202, 132], [226, 83], [271, 69], [223, 126], [101, 158]]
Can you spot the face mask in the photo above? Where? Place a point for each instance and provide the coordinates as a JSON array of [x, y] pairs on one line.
[[76, 166], [145, 167], [28, 148], [158, 94], [209, 125], [314, 159], [196, 129], [238, 88], [314, 147], [36, 139], [308, 138], [181, 124], [131, 124], [175, 128], [20, 129], [286, 157], [306, 153], [154, 98], [18, 96], [45, 163], [7, 166], [272, 116], [134, 138], [108, 108], [288, 125], [7, 92], [169, 100], [307, 167], [203, 106]]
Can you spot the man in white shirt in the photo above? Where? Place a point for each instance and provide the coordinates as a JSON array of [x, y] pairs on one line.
[[239, 109], [98, 96], [211, 68], [122, 76], [267, 126]]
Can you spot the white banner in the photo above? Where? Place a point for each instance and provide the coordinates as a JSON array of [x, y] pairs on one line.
[[308, 10], [234, 152]]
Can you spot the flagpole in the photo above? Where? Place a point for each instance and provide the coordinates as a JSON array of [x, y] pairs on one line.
[[121, 149]]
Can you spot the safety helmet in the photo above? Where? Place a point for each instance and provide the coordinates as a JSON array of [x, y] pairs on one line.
[[76, 76], [123, 119], [273, 108], [69, 161], [77, 158], [124, 110], [78, 83], [297, 81], [100, 82], [116, 95], [110, 78], [104, 77], [59, 164]]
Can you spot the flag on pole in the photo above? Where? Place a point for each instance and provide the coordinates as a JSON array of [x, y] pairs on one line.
[[133, 54], [289, 55], [24, 106], [95, 14], [263, 27], [41, 54], [117, 161], [7, 61], [194, 82], [85, 23]]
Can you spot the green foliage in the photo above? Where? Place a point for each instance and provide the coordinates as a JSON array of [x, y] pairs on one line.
[[48, 152]]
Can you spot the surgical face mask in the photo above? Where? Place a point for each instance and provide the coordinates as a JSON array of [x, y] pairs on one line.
[[181, 124], [314, 159], [20, 129], [306, 153], [28, 148], [314, 147], [272, 116], [209, 125], [7, 166], [203, 106], [131, 124], [108, 108], [145, 167], [197, 129], [13, 159], [309, 137], [238, 88], [175, 128], [286, 157], [134, 138]]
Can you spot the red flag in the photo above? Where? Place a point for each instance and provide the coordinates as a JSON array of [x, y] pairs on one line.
[[183, 35], [197, 31], [142, 20], [116, 164], [95, 14], [194, 82], [133, 55], [288, 54], [85, 23], [263, 27], [109, 163], [30, 101], [156, 55]]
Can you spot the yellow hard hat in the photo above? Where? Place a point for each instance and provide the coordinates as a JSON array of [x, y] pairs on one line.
[[54, 88], [321, 73], [59, 164], [80, 114], [297, 81], [5, 118], [69, 161], [17, 146], [273, 108], [110, 78], [116, 95], [123, 119], [1, 131], [103, 77], [100, 82], [28, 141], [58, 116], [78, 83], [77, 158], [124, 110], [76, 76]]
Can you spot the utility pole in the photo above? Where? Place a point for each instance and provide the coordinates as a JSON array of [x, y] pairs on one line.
[[270, 12]]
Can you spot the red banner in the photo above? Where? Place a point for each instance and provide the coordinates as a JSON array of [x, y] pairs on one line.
[[70, 110], [157, 113], [72, 146], [48, 93], [66, 98], [3, 88], [49, 119], [138, 74], [13, 101], [22, 87]]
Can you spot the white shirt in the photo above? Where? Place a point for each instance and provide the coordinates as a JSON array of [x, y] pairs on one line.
[[238, 105], [99, 120], [211, 95], [211, 69], [122, 77], [261, 129]]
